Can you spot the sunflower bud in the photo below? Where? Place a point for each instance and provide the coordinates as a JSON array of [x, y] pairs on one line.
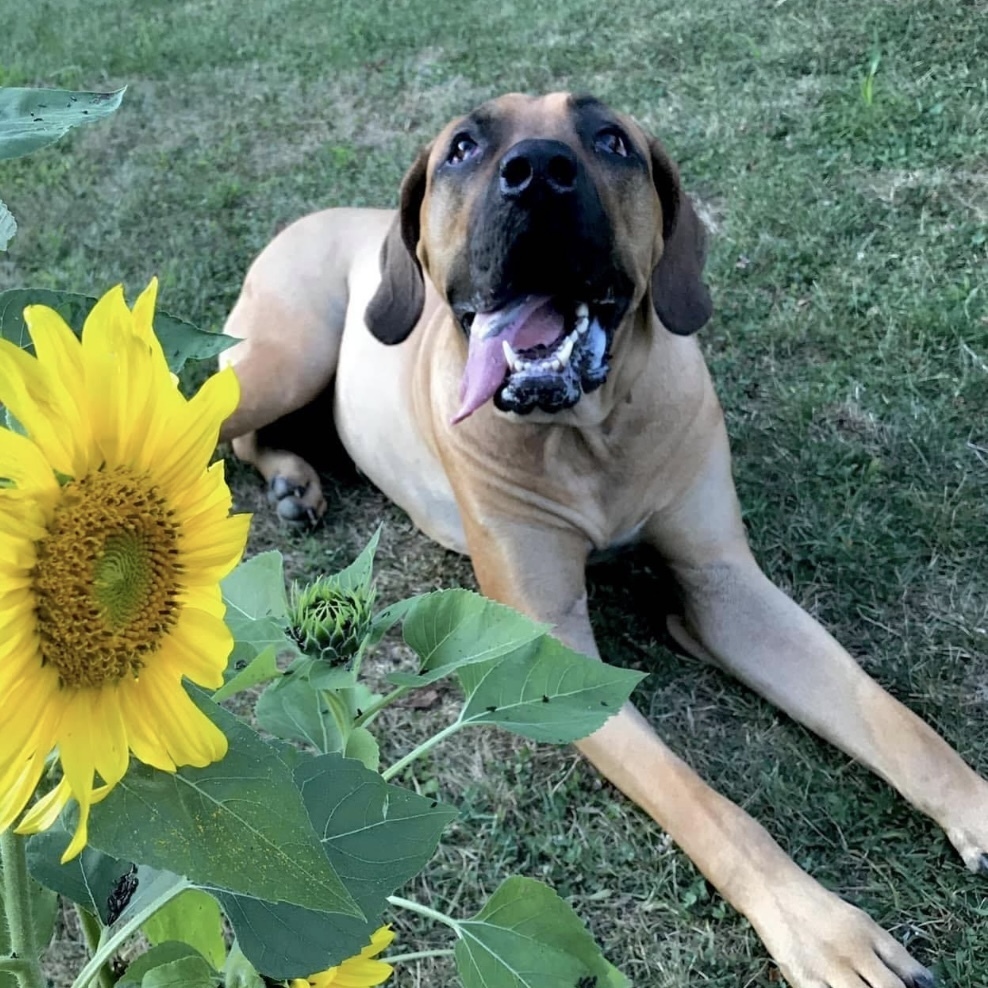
[[328, 621]]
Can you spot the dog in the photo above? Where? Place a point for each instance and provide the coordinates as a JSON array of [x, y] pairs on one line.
[[515, 367]]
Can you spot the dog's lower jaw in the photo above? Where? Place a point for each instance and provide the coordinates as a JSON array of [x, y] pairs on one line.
[[560, 379]]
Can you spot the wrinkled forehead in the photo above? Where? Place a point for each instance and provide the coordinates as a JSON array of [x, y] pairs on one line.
[[515, 117]]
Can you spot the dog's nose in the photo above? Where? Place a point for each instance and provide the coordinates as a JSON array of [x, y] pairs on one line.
[[534, 164]]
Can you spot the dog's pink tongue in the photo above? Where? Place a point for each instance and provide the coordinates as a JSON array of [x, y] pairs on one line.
[[523, 324]]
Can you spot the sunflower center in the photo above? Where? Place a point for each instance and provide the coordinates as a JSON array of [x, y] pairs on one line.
[[107, 578]]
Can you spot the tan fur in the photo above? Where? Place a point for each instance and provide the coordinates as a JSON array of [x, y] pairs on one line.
[[528, 498]]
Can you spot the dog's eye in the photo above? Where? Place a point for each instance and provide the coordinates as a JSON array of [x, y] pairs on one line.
[[612, 141], [463, 148]]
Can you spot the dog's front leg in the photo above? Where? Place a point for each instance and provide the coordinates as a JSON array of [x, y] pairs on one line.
[[816, 938], [749, 627]]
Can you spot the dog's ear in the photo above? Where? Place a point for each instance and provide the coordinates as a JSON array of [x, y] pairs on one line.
[[681, 299], [397, 304]]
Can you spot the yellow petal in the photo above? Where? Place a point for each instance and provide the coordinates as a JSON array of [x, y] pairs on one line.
[[16, 607], [59, 351], [23, 463], [37, 401], [120, 389], [32, 711], [23, 514], [198, 647], [207, 598], [28, 736], [16, 792], [46, 810], [187, 734], [209, 555], [110, 750], [20, 660], [192, 436], [362, 974], [142, 735], [205, 498], [380, 940], [144, 312], [76, 753]]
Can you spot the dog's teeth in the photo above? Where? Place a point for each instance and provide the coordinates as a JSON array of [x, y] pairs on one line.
[[510, 356], [556, 365], [566, 350]]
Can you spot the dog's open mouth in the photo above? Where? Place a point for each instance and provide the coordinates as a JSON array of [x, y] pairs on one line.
[[538, 351]]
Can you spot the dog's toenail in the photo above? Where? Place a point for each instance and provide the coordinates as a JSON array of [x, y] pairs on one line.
[[924, 980]]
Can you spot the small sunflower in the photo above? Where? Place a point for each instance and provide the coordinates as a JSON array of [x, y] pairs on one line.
[[114, 535], [360, 971]]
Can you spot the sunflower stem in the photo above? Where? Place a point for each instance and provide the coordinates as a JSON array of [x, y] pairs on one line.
[[24, 961], [110, 943], [17, 966], [417, 956], [425, 746], [368, 715], [427, 911], [92, 930], [358, 659], [340, 714]]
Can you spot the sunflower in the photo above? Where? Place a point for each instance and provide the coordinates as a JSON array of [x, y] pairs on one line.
[[114, 535], [359, 971]]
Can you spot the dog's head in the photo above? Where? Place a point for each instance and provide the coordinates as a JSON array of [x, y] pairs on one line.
[[544, 223]]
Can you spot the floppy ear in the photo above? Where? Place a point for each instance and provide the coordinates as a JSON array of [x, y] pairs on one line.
[[681, 299], [397, 304]]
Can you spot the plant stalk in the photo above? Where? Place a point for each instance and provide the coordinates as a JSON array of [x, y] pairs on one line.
[[109, 944], [425, 746], [92, 930], [418, 955], [24, 961], [366, 716], [427, 911]]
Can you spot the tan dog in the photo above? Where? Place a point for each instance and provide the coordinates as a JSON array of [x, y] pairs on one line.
[[563, 268]]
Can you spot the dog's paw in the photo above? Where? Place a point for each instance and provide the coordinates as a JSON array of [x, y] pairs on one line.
[[295, 503], [823, 940], [967, 830]]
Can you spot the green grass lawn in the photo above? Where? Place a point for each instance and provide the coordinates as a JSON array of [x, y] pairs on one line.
[[850, 347]]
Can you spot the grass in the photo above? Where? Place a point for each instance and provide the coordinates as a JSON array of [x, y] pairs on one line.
[[839, 152]]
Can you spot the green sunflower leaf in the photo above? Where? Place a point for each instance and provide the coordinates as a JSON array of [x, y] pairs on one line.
[[245, 672], [292, 709], [256, 614], [88, 879], [238, 825], [8, 226], [194, 918], [376, 836], [164, 958], [180, 340], [160, 956], [453, 628], [256, 588], [545, 691], [363, 746], [238, 972], [359, 574], [528, 937], [34, 118]]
